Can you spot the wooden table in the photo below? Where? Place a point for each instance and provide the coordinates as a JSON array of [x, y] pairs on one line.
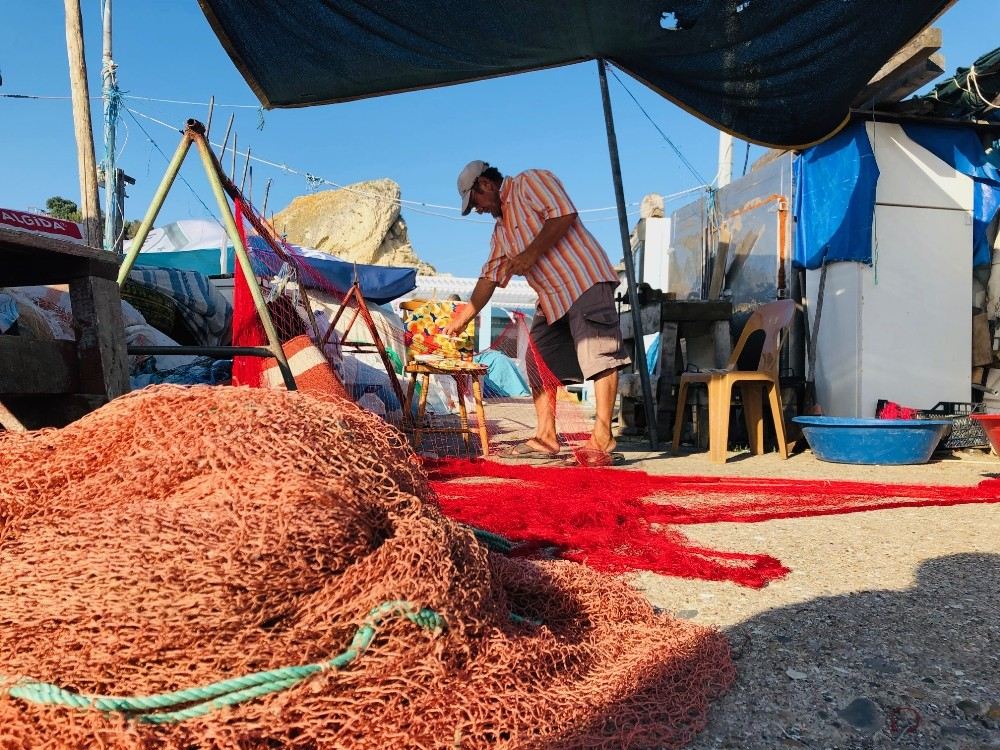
[[51, 383], [675, 320]]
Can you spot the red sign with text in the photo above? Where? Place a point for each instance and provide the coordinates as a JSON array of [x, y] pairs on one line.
[[40, 224]]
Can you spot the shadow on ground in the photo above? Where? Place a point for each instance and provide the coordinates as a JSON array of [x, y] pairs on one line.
[[918, 668]]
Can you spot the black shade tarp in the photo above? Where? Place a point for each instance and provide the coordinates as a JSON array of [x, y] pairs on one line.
[[775, 72]]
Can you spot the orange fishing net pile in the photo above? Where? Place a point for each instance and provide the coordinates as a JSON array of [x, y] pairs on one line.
[[179, 536]]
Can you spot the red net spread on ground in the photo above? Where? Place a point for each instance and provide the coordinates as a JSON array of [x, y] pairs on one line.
[[620, 521], [180, 536]]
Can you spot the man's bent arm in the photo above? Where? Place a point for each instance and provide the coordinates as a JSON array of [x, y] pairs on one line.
[[551, 232]]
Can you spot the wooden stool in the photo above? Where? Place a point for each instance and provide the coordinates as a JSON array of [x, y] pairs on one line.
[[460, 370]]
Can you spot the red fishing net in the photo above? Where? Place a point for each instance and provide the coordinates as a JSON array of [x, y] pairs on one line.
[[370, 347], [181, 536], [620, 521]]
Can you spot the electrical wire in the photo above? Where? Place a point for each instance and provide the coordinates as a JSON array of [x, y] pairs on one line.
[[659, 130], [415, 206], [420, 207], [167, 159], [196, 104]]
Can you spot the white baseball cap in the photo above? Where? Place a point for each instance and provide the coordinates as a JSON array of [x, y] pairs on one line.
[[467, 180]]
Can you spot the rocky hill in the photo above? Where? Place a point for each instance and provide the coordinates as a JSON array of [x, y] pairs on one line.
[[359, 222]]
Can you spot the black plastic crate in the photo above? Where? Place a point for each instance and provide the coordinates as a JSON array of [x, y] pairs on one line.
[[966, 432]]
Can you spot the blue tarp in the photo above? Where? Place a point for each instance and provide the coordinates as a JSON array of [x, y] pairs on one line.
[[503, 379], [835, 200], [207, 261], [379, 284], [961, 149]]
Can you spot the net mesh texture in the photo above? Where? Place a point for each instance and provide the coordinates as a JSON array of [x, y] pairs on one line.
[[621, 521], [183, 535]]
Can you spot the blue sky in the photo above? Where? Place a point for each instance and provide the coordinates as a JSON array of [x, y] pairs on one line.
[[552, 119]]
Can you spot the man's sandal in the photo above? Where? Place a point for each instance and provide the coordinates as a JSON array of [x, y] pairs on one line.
[[593, 457]]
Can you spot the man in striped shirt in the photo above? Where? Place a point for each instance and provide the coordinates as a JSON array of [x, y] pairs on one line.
[[575, 328]]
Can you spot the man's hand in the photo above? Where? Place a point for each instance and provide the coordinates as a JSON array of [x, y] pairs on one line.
[[464, 313], [459, 320], [521, 264]]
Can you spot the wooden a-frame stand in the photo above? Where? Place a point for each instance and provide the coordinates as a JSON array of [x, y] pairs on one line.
[[355, 296]]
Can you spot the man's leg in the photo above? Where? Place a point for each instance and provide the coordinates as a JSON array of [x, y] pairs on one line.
[[551, 359], [605, 392], [597, 339], [545, 411]]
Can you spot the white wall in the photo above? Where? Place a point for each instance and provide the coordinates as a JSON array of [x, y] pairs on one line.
[[654, 233]]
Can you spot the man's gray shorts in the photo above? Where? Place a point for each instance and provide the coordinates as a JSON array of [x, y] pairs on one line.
[[586, 341]]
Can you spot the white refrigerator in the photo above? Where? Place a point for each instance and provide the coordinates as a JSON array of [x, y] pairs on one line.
[[901, 328]]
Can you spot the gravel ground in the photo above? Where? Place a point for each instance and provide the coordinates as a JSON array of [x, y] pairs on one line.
[[886, 633]]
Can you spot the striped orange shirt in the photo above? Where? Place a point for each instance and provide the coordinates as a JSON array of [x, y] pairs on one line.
[[570, 267]]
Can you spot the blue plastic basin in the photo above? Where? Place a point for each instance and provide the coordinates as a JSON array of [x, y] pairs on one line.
[[883, 442]]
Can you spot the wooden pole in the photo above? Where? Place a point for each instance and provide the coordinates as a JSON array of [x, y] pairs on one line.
[[109, 79], [90, 207]]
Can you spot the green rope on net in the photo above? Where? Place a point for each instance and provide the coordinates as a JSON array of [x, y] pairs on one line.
[[493, 542], [199, 701]]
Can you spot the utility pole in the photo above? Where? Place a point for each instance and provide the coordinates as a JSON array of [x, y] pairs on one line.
[[90, 207], [109, 79]]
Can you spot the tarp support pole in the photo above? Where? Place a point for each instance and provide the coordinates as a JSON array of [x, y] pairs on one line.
[[195, 131], [154, 208], [633, 296]]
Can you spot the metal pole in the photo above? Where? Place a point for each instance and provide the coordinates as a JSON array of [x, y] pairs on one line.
[[208, 120], [224, 352], [195, 131], [225, 141], [232, 175], [267, 189], [246, 167], [154, 207], [633, 297], [118, 228]]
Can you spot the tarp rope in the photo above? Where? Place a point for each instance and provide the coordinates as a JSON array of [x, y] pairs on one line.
[[209, 698]]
